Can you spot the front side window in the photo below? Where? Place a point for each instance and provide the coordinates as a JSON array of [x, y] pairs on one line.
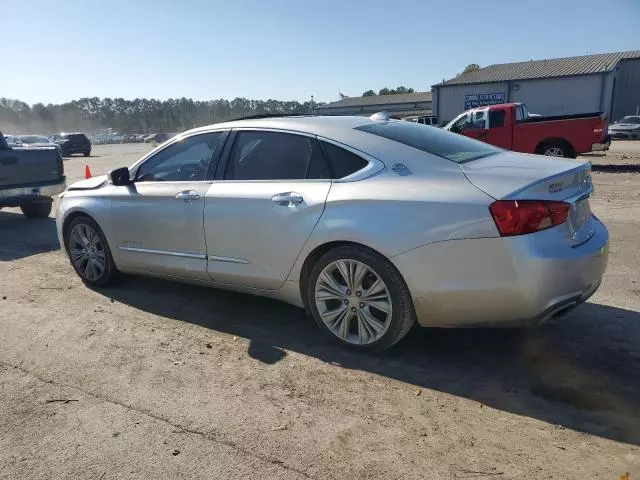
[[630, 119], [184, 161], [263, 155], [459, 124], [478, 121], [456, 148]]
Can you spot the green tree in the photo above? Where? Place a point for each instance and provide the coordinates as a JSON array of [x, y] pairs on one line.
[[472, 67], [369, 93]]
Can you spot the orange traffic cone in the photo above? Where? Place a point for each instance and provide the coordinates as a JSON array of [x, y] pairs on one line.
[[87, 171]]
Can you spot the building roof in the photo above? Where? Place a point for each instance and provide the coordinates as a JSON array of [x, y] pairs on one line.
[[417, 97], [549, 68]]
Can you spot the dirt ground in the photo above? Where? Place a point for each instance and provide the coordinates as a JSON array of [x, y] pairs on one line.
[[153, 379]]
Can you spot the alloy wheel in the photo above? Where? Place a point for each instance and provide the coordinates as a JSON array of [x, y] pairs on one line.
[[554, 152], [87, 252], [353, 302]]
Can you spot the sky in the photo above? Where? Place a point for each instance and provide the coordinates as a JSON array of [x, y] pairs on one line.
[[57, 51]]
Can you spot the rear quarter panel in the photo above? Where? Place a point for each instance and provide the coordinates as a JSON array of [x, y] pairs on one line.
[[394, 212]]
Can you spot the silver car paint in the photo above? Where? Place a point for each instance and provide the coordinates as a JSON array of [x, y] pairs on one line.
[[427, 218]]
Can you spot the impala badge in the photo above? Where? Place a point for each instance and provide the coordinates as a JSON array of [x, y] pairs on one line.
[[556, 187]]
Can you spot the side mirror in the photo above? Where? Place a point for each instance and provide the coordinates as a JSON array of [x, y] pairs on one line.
[[120, 176]]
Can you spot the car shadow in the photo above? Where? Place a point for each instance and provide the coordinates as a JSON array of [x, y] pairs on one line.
[[22, 237], [580, 372]]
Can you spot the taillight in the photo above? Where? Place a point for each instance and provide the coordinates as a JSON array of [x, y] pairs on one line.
[[518, 217]]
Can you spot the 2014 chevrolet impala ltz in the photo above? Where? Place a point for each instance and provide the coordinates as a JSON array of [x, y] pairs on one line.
[[370, 224]]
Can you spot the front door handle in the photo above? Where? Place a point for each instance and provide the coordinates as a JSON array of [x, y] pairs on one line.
[[188, 196], [287, 199]]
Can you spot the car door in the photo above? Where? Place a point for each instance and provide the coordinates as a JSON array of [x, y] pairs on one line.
[[499, 133], [269, 194], [158, 219]]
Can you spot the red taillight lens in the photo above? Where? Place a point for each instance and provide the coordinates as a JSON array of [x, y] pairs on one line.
[[517, 217]]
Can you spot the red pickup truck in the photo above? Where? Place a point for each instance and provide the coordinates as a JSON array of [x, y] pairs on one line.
[[511, 126]]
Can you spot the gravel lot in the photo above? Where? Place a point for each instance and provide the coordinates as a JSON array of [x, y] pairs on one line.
[[153, 379]]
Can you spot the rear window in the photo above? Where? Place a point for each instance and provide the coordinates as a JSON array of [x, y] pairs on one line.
[[451, 146]]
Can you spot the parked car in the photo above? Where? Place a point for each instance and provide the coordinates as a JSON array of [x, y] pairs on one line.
[[156, 137], [35, 141], [369, 224], [29, 178], [510, 126], [628, 127], [13, 140], [72, 143]]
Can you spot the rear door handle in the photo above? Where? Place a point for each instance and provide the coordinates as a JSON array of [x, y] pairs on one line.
[[188, 196], [287, 199]]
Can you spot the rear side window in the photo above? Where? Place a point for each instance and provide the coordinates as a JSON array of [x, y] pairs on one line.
[[496, 118], [262, 155], [342, 162], [451, 146], [78, 137]]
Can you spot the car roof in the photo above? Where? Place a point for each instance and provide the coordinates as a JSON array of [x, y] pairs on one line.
[[323, 125]]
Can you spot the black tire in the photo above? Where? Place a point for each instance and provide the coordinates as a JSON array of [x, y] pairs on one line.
[[39, 209], [87, 153], [560, 149], [110, 271], [402, 311]]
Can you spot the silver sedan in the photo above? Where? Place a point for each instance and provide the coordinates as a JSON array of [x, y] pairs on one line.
[[369, 224]]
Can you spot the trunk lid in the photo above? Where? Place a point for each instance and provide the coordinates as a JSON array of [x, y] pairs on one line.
[[515, 176], [25, 166]]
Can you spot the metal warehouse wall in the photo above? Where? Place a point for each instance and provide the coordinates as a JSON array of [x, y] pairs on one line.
[[448, 101], [559, 96], [545, 96], [626, 97]]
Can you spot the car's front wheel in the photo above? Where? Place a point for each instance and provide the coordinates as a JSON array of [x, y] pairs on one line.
[[360, 298], [89, 252]]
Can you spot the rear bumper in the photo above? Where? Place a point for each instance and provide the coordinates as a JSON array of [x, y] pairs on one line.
[[13, 197], [603, 145], [503, 281]]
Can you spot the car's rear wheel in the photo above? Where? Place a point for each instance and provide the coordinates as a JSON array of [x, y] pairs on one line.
[[556, 149], [359, 298], [40, 209], [89, 252], [87, 153]]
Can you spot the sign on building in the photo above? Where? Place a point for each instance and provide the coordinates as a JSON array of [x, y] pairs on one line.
[[481, 99]]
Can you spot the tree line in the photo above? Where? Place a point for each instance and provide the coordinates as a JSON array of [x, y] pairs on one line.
[[389, 91], [140, 115]]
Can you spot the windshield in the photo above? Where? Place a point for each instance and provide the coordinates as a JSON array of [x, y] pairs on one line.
[[630, 120], [451, 146]]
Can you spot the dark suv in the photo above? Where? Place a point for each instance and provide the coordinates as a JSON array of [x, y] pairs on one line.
[[71, 143]]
